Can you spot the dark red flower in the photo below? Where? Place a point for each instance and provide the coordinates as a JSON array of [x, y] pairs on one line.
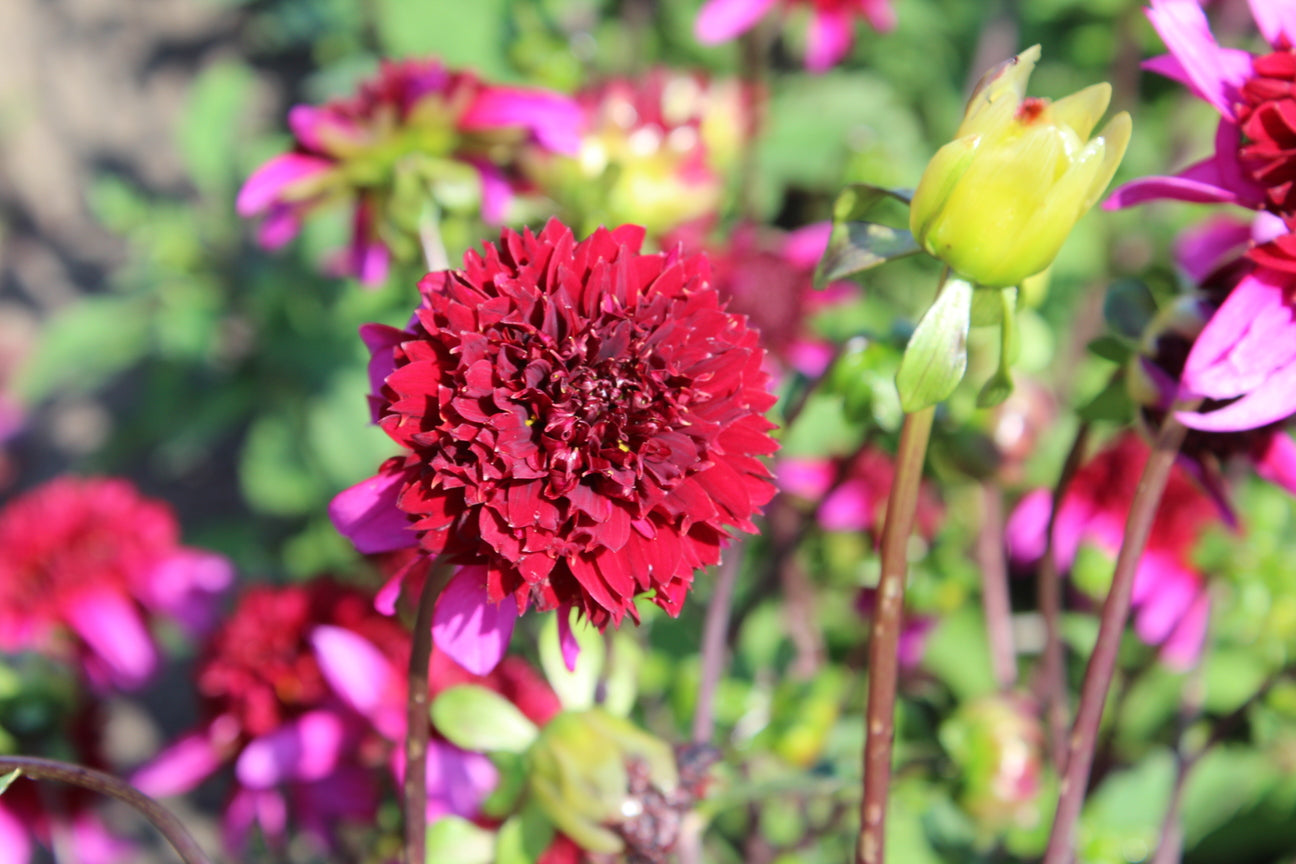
[[83, 562], [580, 422], [1267, 116]]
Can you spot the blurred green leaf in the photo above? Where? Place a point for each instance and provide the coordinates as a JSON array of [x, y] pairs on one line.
[[85, 345], [524, 837], [859, 246], [210, 131], [475, 718], [455, 840]]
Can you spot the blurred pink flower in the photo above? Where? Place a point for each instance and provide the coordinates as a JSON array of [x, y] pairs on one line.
[[85, 564], [832, 24], [414, 126], [768, 276], [304, 691], [1254, 164], [1171, 600]]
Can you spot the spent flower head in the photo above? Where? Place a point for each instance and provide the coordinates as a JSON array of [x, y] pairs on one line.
[[580, 424], [997, 202]]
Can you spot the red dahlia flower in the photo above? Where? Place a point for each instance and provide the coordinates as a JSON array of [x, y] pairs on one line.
[[415, 127], [83, 563], [580, 423]]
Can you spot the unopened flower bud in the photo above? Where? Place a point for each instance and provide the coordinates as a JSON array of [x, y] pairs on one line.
[[996, 203]]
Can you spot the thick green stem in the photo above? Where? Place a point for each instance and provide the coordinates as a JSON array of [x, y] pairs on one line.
[[105, 784], [884, 640], [1102, 662]]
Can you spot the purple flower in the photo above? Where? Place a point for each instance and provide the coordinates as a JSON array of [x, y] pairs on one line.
[[832, 24], [1254, 164]]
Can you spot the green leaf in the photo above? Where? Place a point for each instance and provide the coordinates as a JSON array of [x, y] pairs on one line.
[[86, 344], [936, 356], [858, 199], [524, 837], [455, 840], [1110, 348], [1111, 403], [209, 131], [859, 246], [475, 718], [6, 780]]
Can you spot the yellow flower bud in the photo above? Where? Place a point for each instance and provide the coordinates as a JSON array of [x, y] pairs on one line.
[[996, 203]]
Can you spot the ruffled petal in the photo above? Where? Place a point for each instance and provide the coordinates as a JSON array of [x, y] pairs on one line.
[[468, 627]]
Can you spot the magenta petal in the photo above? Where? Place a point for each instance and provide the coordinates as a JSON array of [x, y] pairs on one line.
[[1275, 460], [180, 767], [555, 120], [722, 20], [1028, 525], [1204, 248], [186, 586], [248, 807], [470, 629], [363, 676], [458, 781], [1184, 646], [880, 15], [567, 643], [806, 478], [1276, 20], [279, 226], [303, 749], [1272, 401], [497, 193], [368, 516], [266, 184], [93, 843], [832, 32], [1251, 336], [1186, 186], [849, 507], [1214, 72], [111, 625], [1163, 590], [14, 837]]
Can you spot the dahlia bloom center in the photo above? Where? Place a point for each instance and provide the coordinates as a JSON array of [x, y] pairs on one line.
[[1267, 116]]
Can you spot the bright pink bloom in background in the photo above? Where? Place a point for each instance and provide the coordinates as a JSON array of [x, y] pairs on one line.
[[85, 567], [1254, 164], [304, 691], [415, 124], [581, 422], [1171, 600], [832, 23]]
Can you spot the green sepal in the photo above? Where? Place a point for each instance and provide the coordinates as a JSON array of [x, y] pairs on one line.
[[936, 356], [475, 718]]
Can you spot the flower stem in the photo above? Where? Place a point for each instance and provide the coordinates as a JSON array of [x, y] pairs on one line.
[[715, 645], [994, 587], [1053, 666], [902, 506], [417, 725], [1102, 662], [105, 784]]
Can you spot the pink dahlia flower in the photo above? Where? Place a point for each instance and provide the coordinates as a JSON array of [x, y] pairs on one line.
[[1171, 600], [832, 24], [414, 127], [86, 564], [1254, 164], [580, 424]]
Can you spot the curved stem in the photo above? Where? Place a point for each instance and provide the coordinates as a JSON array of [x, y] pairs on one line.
[[114, 787], [884, 639], [1053, 666], [418, 727], [1102, 663]]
